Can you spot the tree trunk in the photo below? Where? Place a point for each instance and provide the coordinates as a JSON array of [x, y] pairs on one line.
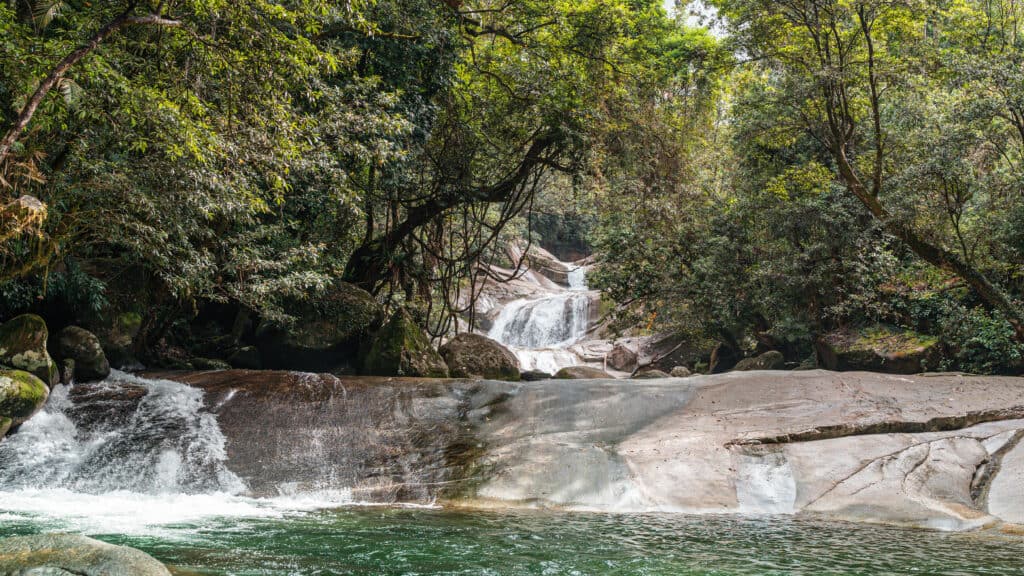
[[935, 255]]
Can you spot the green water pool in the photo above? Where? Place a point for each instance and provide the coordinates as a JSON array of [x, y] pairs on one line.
[[395, 541]]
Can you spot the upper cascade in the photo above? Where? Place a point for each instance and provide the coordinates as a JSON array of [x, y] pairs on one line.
[[541, 326]]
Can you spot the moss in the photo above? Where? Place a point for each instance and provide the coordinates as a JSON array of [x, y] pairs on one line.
[[21, 395], [23, 346], [892, 341], [400, 348]]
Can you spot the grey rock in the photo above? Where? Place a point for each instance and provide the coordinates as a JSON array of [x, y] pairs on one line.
[[581, 373], [771, 360], [60, 554], [82, 347]]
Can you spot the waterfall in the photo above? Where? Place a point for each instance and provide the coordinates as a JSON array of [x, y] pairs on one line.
[[539, 331], [167, 443]]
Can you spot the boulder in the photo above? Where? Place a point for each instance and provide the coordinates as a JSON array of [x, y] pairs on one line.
[[878, 348], [475, 356], [23, 346], [771, 360], [680, 372], [401, 348], [245, 358], [67, 554], [621, 358], [210, 364], [581, 373], [83, 348], [535, 376], [21, 396], [326, 331], [650, 375]]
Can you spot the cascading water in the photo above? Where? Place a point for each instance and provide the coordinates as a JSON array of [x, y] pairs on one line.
[[539, 331], [168, 444], [123, 455]]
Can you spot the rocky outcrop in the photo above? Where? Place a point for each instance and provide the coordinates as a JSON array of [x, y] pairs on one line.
[[21, 396], [580, 373], [474, 356], [23, 346], [72, 555], [621, 358], [83, 348], [878, 349], [401, 348], [938, 451], [770, 360], [325, 333], [680, 372]]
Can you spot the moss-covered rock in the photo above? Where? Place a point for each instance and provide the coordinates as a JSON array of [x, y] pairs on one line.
[[83, 347], [23, 346], [326, 331], [401, 348], [476, 356], [651, 375], [878, 348], [771, 360], [72, 554], [21, 396], [581, 373], [680, 372], [210, 364]]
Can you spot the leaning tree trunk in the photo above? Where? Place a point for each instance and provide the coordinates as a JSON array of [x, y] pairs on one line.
[[935, 255]]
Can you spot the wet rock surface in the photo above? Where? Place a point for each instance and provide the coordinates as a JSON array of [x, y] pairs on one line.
[[939, 451], [67, 554]]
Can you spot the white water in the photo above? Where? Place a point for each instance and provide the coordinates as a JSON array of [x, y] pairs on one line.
[[539, 330], [160, 464]]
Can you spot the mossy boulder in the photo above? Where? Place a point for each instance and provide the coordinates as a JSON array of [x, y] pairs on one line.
[[581, 373], [651, 375], [680, 372], [21, 396], [326, 331], [401, 348], [23, 346], [878, 348], [70, 554], [476, 356], [771, 360], [82, 347]]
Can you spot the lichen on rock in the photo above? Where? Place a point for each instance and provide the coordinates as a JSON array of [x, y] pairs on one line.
[[23, 346], [401, 348]]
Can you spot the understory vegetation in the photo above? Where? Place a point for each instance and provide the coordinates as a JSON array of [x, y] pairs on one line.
[[184, 170]]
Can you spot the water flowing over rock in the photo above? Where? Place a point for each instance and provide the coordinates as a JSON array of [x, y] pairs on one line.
[[540, 329], [124, 434], [939, 451]]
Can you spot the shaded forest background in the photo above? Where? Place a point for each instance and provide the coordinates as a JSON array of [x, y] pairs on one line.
[[205, 167]]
